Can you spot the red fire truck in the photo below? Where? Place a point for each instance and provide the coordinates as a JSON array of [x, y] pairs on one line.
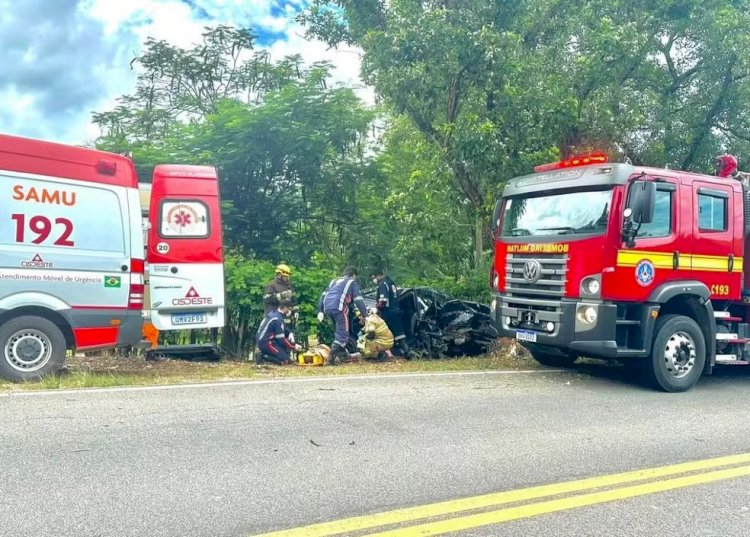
[[72, 257], [627, 263]]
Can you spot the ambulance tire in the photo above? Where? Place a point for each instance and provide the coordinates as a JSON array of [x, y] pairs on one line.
[[551, 359], [42, 344], [678, 354]]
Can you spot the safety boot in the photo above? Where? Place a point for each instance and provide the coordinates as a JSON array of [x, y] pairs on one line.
[[338, 352]]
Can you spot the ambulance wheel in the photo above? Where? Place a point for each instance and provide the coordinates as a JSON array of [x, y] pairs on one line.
[[678, 354], [31, 347], [551, 358]]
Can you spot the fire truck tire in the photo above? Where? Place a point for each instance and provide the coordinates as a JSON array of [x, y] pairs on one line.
[[678, 354], [551, 359], [31, 348]]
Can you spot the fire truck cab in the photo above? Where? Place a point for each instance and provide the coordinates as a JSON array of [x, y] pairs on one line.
[[627, 263]]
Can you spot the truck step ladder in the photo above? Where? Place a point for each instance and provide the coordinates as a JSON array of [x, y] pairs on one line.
[[727, 337], [730, 359]]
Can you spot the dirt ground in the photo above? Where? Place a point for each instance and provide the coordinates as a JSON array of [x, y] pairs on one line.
[[108, 369]]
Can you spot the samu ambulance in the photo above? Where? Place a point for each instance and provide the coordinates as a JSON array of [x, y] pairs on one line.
[[72, 255]]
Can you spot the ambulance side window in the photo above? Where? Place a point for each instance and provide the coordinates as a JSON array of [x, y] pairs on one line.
[[183, 219], [661, 225]]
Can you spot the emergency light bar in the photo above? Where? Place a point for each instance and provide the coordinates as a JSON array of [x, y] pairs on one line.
[[580, 160]]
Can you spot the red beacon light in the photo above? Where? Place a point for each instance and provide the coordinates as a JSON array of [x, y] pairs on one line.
[[579, 160], [106, 167]]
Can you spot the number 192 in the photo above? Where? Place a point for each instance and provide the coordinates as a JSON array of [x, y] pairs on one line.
[[42, 227]]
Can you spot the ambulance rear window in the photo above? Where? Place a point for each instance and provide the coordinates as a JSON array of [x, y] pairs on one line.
[[186, 219]]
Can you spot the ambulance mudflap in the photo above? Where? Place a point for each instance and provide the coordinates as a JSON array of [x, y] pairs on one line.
[[184, 252]]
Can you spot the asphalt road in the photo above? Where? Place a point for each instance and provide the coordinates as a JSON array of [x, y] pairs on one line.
[[250, 458]]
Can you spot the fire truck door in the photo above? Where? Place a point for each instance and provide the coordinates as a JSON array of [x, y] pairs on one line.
[[717, 254]]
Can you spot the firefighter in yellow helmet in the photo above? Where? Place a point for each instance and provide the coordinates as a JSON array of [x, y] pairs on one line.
[[278, 289], [281, 289]]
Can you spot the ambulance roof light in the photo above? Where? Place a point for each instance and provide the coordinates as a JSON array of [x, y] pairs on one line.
[[106, 167], [578, 160]]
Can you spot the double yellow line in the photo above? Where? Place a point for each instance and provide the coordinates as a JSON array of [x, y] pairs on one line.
[[422, 519]]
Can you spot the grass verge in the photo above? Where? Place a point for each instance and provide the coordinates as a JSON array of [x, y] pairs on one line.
[[107, 370]]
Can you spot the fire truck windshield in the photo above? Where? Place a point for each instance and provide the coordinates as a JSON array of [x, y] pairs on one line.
[[557, 214]]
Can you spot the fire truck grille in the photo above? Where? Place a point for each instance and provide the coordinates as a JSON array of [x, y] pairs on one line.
[[535, 282]]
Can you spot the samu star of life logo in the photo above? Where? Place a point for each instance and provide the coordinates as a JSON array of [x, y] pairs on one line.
[[182, 219]]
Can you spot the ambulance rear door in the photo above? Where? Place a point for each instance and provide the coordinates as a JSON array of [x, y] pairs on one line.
[[184, 249]]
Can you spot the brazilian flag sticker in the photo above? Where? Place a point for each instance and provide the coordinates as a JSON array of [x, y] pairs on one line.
[[112, 281]]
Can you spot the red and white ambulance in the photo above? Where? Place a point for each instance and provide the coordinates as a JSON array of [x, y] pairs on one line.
[[72, 254], [184, 249]]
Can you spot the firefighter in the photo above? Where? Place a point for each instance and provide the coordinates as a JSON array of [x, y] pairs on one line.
[[334, 303], [272, 337], [376, 339], [278, 289], [391, 314]]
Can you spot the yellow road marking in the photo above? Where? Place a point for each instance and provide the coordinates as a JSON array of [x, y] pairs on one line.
[[412, 514], [572, 502]]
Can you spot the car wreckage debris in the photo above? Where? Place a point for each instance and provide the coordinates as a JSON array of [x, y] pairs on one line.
[[437, 325]]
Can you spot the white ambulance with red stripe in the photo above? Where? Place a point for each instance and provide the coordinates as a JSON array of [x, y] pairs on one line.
[[72, 254]]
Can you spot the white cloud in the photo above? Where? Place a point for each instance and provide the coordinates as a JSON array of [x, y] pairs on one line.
[[72, 57]]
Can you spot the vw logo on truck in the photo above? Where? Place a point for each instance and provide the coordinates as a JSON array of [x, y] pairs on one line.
[[532, 270]]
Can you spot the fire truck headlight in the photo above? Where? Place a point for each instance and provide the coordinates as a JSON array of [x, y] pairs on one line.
[[587, 314], [550, 327], [493, 306], [591, 286]]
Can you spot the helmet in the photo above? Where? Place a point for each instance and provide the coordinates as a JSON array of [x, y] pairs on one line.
[[726, 165], [284, 270]]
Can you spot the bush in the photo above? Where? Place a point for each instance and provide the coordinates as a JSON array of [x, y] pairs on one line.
[[246, 278]]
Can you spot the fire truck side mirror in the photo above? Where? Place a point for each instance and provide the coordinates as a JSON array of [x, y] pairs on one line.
[[639, 210], [496, 217], [642, 201]]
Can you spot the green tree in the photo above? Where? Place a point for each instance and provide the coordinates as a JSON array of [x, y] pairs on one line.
[[499, 86]]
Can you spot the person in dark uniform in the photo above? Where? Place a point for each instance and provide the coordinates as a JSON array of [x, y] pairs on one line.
[[386, 304], [334, 303], [272, 337]]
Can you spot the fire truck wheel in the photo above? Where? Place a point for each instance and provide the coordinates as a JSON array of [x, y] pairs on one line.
[[677, 355], [551, 359], [31, 348]]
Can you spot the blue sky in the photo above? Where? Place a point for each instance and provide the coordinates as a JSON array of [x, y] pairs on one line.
[[63, 59]]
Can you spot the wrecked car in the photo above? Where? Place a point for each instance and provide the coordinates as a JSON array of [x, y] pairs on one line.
[[437, 325]]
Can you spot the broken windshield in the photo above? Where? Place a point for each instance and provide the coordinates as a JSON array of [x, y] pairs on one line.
[[558, 214]]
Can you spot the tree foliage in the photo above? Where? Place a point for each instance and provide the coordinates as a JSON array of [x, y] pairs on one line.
[[473, 93], [497, 86]]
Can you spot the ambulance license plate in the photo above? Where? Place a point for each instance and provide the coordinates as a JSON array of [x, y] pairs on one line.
[[524, 335], [189, 318]]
